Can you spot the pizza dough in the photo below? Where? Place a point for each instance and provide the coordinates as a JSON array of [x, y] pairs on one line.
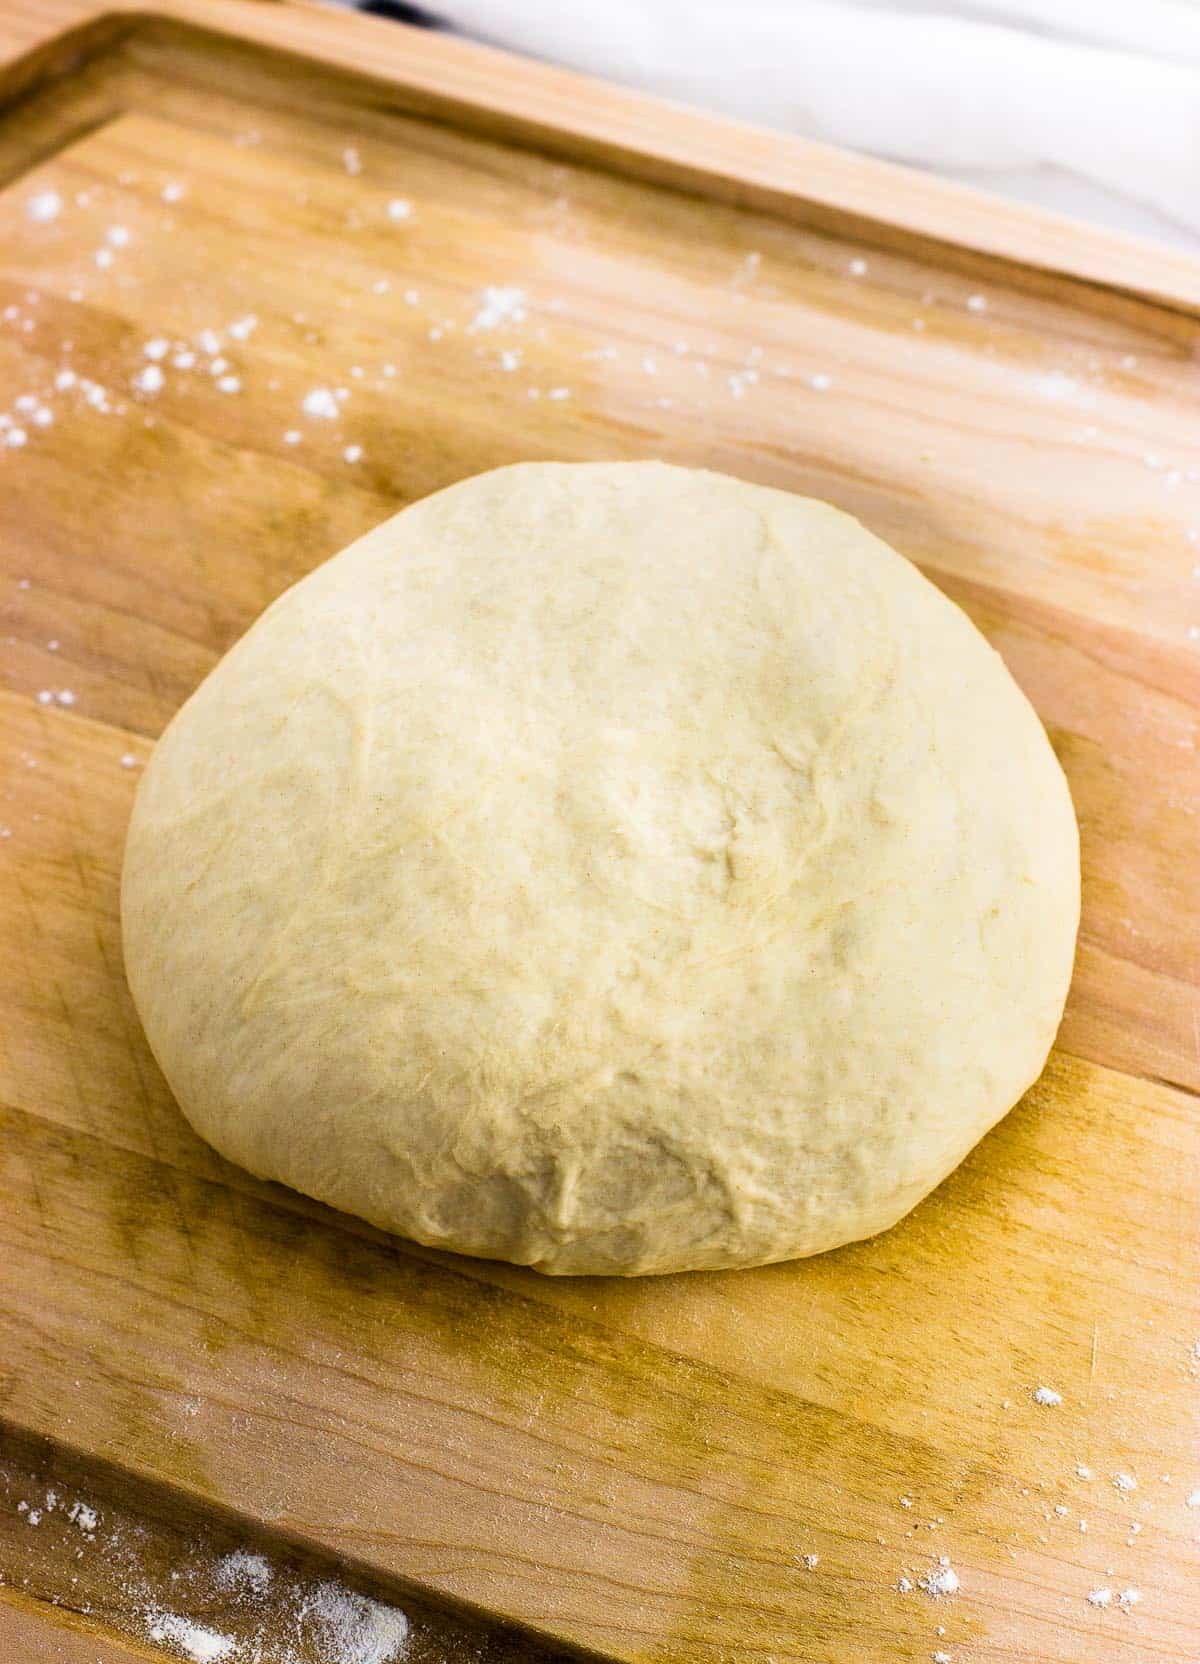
[[610, 868]]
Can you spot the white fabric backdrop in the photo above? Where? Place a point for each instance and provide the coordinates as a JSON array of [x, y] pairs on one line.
[[1089, 106]]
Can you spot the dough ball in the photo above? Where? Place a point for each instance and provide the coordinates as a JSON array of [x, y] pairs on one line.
[[609, 868]]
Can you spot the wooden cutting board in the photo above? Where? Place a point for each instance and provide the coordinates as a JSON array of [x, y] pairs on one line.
[[638, 1468]]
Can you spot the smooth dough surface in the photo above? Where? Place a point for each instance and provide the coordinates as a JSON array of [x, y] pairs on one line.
[[609, 868]]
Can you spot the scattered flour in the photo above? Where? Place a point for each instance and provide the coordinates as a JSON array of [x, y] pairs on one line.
[[1100, 1597], [1046, 1395], [273, 1614], [351, 1629], [80, 1513], [322, 403], [203, 1646], [942, 1580], [44, 206], [499, 305], [243, 1573], [1124, 1482]]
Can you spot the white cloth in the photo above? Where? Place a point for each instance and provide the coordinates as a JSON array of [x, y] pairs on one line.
[[1092, 106]]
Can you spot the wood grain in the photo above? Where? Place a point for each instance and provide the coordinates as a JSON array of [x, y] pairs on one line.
[[643, 1501], [579, 118], [92, 1559], [921, 433], [34, 1636], [641, 1467]]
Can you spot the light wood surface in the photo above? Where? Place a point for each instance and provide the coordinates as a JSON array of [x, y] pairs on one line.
[[480, 88], [27, 1637], [639, 1468], [92, 1559]]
